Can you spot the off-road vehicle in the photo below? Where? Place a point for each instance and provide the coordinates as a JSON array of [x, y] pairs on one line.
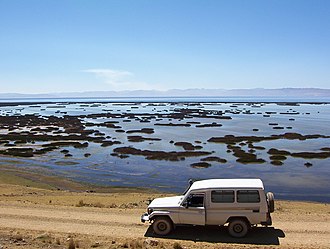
[[240, 203]]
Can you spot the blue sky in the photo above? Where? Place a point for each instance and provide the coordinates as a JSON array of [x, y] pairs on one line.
[[68, 45]]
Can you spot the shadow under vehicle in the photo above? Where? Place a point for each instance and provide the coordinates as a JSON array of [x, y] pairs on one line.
[[216, 234]]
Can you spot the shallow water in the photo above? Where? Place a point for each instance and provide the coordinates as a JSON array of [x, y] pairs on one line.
[[292, 180]]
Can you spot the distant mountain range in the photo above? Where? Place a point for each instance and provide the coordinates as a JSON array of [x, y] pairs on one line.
[[256, 92]]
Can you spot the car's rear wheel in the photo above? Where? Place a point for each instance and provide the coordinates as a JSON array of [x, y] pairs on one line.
[[162, 225], [238, 228]]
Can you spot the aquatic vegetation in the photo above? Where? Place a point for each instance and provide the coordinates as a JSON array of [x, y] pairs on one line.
[[250, 145], [245, 157], [141, 139], [274, 151], [276, 162], [208, 125], [109, 143], [188, 146], [143, 130], [231, 139], [214, 159], [67, 143], [21, 152], [311, 155], [200, 165], [160, 155], [277, 157], [172, 124]]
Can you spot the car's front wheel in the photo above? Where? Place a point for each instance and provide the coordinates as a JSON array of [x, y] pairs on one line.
[[162, 225], [238, 228]]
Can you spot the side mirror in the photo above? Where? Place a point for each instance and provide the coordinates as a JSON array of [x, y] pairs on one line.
[[187, 202]]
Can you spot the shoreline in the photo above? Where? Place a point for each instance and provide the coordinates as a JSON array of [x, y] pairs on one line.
[[23, 178]]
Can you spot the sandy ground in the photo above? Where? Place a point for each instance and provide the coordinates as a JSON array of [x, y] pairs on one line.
[[40, 218]]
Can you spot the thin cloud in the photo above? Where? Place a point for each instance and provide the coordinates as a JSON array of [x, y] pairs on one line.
[[119, 80]]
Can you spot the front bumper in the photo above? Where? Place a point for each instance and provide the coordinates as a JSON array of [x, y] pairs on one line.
[[144, 217]]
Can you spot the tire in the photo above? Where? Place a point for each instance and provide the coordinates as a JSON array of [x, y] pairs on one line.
[[238, 228], [270, 201], [162, 226]]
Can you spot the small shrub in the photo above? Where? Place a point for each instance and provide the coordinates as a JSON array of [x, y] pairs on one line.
[[80, 203], [44, 237], [96, 244], [17, 237], [113, 205], [98, 204], [136, 244], [177, 245], [57, 241], [71, 244]]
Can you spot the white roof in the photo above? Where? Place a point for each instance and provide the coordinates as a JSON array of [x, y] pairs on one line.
[[227, 183]]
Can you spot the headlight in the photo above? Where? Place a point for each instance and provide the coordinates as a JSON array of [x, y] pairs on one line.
[[149, 210]]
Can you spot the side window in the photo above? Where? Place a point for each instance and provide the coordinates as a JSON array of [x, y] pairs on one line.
[[248, 196], [222, 196], [196, 200]]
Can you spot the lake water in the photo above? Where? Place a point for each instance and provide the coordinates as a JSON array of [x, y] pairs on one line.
[[297, 178]]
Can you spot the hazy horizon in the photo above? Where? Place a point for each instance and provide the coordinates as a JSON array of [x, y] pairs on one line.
[[201, 92]]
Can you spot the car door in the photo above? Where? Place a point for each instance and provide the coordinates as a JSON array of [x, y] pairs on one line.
[[193, 210]]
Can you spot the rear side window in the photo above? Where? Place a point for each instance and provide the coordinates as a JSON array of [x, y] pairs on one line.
[[248, 196], [222, 196]]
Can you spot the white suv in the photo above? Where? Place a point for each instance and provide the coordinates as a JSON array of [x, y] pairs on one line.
[[239, 202]]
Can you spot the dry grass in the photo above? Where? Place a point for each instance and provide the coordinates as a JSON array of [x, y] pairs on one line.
[[138, 244], [16, 193]]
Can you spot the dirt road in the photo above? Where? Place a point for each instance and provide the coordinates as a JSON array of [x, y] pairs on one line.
[[90, 221], [292, 228]]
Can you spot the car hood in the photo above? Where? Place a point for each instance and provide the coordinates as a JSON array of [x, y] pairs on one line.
[[166, 202]]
